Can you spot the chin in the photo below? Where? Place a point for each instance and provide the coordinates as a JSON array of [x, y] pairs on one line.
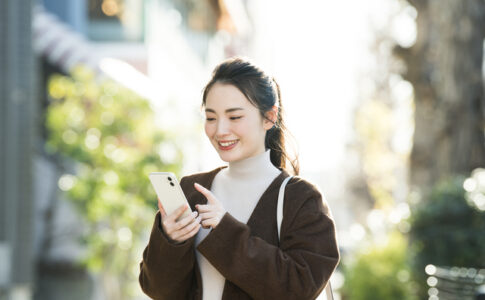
[[228, 157]]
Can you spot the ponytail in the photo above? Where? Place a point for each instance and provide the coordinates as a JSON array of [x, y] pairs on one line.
[[276, 137]]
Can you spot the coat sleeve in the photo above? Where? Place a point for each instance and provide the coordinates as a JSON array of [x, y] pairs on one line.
[[298, 269], [167, 269]]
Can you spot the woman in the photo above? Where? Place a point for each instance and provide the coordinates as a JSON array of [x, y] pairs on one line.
[[228, 248]]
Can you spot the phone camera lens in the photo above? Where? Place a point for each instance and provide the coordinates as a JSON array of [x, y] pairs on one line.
[[171, 183], [169, 178]]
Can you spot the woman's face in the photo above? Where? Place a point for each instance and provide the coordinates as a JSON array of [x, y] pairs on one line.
[[234, 125]]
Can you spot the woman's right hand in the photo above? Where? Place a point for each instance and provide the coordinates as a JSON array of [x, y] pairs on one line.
[[183, 229]]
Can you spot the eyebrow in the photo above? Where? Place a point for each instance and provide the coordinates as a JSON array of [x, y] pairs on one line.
[[227, 110]]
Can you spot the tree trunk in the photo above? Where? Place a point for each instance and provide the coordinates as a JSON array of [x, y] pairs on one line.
[[445, 69]]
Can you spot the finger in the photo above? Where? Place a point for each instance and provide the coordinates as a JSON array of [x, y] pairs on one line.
[[190, 234], [172, 228], [207, 215], [208, 194], [208, 222], [160, 208], [204, 208], [187, 229], [170, 221], [183, 222], [205, 226], [178, 212]]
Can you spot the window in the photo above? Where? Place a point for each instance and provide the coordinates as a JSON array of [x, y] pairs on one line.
[[115, 20]]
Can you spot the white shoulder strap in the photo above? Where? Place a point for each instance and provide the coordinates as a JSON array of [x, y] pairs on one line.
[[279, 219], [281, 200]]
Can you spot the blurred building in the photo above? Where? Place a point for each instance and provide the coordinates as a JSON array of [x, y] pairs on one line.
[[162, 49], [19, 117]]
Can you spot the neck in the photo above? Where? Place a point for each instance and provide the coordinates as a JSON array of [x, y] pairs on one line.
[[251, 166]]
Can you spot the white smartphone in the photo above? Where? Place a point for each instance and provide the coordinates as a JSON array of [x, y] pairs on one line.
[[169, 192]]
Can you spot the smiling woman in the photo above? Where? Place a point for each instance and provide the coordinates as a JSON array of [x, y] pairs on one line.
[[245, 86], [233, 125], [232, 249]]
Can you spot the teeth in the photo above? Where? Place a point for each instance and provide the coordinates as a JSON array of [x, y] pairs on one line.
[[227, 143]]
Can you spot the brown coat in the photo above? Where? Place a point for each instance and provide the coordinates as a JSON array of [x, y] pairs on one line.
[[255, 264]]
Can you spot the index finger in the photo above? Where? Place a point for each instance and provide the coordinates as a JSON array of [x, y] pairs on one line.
[[208, 194]]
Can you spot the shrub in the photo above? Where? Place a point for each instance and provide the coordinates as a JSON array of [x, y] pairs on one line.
[[379, 272], [447, 230]]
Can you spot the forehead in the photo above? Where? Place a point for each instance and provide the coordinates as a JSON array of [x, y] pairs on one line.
[[224, 96]]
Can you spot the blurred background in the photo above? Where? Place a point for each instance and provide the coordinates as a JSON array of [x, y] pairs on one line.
[[384, 98]]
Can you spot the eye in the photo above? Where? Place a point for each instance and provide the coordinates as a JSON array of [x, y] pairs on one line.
[[210, 119], [235, 118]]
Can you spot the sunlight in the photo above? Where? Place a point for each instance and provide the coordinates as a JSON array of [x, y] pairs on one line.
[[317, 67], [319, 50]]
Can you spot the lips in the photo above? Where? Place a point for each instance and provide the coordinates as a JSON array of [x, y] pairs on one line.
[[227, 145]]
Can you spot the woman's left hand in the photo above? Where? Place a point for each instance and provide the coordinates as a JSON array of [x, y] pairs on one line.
[[212, 212]]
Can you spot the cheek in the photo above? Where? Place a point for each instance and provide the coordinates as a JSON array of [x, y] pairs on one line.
[[208, 129], [255, 126], [241, 129], [249, 130]]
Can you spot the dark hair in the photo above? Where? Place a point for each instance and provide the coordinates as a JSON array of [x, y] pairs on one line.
[[263, 92]]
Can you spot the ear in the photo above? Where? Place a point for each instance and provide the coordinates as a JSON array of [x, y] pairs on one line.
[[272, 115]]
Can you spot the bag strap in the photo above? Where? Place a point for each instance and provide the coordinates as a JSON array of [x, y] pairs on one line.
[[279, 219], [281, 200]]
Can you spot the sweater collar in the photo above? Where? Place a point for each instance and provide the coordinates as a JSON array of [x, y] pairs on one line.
[[252, 166]]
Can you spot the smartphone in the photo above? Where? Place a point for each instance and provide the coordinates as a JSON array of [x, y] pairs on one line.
[[169, 192]]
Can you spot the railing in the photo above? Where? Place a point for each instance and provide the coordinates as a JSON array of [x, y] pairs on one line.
[[453, 283]]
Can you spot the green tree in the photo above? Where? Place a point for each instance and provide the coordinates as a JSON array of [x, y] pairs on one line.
[[108, 141]]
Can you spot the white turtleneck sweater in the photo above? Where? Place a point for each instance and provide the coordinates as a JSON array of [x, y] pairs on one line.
[[239, 188]]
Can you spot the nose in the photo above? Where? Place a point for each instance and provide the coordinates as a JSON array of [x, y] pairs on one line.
[[222, 128]]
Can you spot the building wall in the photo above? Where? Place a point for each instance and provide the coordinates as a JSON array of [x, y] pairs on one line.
[[18, 119], [72, 12]]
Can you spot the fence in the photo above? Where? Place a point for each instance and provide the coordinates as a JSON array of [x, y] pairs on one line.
[[450, 283]]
